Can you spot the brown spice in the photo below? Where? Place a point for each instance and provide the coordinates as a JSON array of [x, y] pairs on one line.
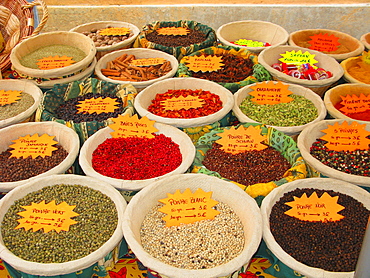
[[248, 167]]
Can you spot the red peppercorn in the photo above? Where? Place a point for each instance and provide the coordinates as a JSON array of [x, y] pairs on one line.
[[136, 158]]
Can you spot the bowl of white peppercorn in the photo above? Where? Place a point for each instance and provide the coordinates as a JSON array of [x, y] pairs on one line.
[[109, 35], [168, 244]]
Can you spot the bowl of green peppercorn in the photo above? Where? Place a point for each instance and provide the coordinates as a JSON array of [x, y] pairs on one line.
[[73, 221]]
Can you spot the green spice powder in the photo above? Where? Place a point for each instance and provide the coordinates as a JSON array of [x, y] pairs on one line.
[[299, 111], [32, 58], [96, 223], [15, 108]]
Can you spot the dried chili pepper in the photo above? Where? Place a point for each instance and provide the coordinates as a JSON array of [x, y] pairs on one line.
[[136, 158], [211, 104]]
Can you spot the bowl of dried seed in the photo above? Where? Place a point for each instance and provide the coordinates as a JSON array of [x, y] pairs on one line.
[[301, 108], [199, 102], [35, 149], [140, 67], [203, 247], [20, 101], [109, 36], [323, 243], [52, 55], [76, 223]]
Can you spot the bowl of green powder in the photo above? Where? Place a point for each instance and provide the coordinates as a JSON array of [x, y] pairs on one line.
[[53, 55]]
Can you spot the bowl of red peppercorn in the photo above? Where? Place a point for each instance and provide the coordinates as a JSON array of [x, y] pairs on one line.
[[200, 102], [328, 242], [335, 101], [328, 71], [205, 248], [16, 171], [257, 172], [352, 165], [291, 118], [120, 67], [255, 35], [130, 164]]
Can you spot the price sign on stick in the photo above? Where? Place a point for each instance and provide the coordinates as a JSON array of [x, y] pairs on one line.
[[346, 137], [8, 97], [188, 207], [270, 93], [47, 216], [33, 146], [242, 139], [127, 126], [314, 208]]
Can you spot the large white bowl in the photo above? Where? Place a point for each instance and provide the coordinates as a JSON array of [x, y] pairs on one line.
[[186, 146], [243, 205], [64, 135], [51, 269], [269, 201], [145, 97], [242, 93], [139, 53]]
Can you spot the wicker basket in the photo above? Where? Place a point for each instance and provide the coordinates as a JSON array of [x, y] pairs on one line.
[[17, 23], [349, 46]]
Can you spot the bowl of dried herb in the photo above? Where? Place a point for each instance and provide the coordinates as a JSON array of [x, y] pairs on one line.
[[24, 98]]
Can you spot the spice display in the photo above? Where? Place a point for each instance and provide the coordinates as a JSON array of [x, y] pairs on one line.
[[333, 245], [15, 169], [105, 40], [249, 167], [304, 71], [15, 108], [235, 69], [211, 103], [68, 111], [136, 158], [350, 162], [200, 245], [362, 116], [192, 37], [30, 60], [298, 112], [121, 68], [96, 222]]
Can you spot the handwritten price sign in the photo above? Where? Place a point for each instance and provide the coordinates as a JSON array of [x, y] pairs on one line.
[[188, 207]]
